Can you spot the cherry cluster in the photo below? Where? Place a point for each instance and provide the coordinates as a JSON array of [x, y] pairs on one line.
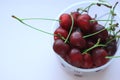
[[82, 41]]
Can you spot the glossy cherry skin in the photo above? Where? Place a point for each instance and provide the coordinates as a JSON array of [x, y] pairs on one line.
[[65, 21], [98, 56], [87, 61], [60, 32], [60, 47], [75, 57], [90, 42], [77, 40], [75, 16], [83, 21], [102, 35], [111, 47]]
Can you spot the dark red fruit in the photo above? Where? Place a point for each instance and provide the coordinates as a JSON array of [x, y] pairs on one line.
[[87, 61], [77, 40], [60, 32], [75, 16], [98, 56], [83, 22], [111, 47], [65, 21], [60, 47], [102, 35], [90, 43], [75, 57]]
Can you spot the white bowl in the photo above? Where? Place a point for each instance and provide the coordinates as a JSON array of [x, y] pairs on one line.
[[67, 66]]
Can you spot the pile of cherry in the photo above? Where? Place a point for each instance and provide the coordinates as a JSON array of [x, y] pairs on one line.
[[81, 40], [85, 46]]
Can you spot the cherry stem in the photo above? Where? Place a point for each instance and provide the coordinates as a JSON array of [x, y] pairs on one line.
[[110, 57], [96, 45], [87, 8], [112, 12], [100, 20], [112, 28], [86, 36], [70, 29], [30, 25], [108, 29], [81, 10], [39, 19], [21, 20], [104, 3], [110, 41], [59, 35]]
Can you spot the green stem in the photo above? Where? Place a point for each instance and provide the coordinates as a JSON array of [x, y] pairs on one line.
[[70, 29], [85, 52], [112, 12], [115, 6], [100, 20], [83, 10], [87, 8], [111, 22], [104, 4], [110, 57], [86, 36], [39, 19], [110, 41], [96, 45], [31, 26]]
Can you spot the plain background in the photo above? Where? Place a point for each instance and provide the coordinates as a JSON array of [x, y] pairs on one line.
[[26, 54]]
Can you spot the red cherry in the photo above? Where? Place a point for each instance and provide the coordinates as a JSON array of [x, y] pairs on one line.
[[111, 47], [65, 21], [102, 35], [98, 56], [77, 40], [83, 22], [75, 57], [61, 33], [88, 63], [60, 47], [75, 16], [89, 42]]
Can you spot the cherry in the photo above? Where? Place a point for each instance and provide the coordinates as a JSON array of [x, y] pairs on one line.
[[103, 35], [60, 47], [65, 21], [60, 32], [98, 56], [75, 57], [88, 63], [89, 42], [83, 22], [75, 16], [111, 47], [77, 40]]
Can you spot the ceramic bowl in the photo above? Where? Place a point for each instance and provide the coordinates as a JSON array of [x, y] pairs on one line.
[[102, 11]]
